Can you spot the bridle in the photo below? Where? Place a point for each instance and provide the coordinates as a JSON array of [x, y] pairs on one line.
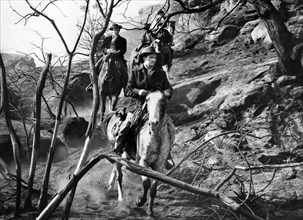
[[162, 125]]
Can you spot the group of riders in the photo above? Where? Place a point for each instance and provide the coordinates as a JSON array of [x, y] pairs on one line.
[[146, 74]]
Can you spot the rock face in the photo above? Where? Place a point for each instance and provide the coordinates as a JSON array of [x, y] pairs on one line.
[[20, 87], [17, 61], [14, 101], [6, 149], [223, 34]]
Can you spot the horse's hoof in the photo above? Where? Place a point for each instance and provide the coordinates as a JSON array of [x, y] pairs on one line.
[[140, 202], [151, 216]]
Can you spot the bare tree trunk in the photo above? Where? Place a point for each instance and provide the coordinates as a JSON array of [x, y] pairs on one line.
[[36, 138], [93, 118], [43, 195], [14, 138], [287, 46]]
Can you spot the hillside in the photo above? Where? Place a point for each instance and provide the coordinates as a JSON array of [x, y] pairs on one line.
[[222, 84]]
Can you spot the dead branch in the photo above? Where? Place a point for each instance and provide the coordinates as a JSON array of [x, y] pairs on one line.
[[272, 166], [250, 168], [196, 149], [186, 10], [142, 171]]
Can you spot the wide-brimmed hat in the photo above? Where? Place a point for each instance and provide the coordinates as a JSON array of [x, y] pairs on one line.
[[115, 26], [146, 51]]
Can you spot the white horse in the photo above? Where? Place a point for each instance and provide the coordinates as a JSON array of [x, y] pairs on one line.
[[153, 141]]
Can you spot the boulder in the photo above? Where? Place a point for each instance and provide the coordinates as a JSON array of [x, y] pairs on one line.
[[223, 34], [245, 32], [6, 150], [286, 80], [73, 131], [188, 95], [261, 36], [246, 97]]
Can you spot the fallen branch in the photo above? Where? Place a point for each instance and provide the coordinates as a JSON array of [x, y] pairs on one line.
[[242, 168], [272, 166], [142, 171], [197, 148]]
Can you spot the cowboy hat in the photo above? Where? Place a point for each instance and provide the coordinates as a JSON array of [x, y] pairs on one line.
[[115, 26], [147, 51]]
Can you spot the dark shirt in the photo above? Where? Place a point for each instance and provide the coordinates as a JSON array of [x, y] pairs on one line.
[[120, 43], [150, 80], [165, 37], [146, 39]]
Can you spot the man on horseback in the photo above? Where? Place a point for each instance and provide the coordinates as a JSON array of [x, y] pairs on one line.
[[146, 38], [143, 78], [116, 43], [166, 42], [113, 43]]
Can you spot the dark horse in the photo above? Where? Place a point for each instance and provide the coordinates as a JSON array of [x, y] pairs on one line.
[[112, 78]]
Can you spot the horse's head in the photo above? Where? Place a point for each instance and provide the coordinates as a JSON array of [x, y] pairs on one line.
[[156, 103], [109, 67], [157, 45]]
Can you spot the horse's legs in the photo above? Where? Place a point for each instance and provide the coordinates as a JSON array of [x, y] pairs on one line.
[[102, 107], [152, 194], [146, 185], [113, 178], [166, 70], [119, 181], [116, 175]]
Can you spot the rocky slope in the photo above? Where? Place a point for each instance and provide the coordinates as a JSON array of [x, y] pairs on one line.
[[222, 84]]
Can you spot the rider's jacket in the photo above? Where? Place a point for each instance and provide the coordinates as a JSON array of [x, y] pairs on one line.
[[150, 80], [165, 37], [147, 38], [119, 43]]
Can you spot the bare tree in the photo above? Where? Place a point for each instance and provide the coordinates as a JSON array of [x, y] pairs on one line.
[[14, 138], [107, 11], [40, 11], [36, 138], [95, 23]]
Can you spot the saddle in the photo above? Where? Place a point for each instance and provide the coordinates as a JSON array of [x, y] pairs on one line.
[[138, 120]]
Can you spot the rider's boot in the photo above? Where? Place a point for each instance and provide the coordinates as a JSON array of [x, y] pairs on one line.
[[120, 139]]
